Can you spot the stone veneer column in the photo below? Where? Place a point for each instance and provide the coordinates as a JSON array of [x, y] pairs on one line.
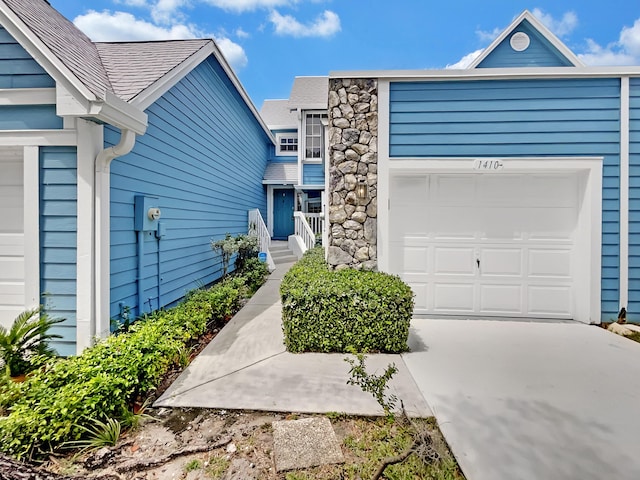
[[353, 156]]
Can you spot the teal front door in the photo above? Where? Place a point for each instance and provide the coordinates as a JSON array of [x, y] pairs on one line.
[[282, 213]]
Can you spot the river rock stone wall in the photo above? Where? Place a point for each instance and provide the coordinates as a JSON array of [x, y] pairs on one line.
[[353, 157]]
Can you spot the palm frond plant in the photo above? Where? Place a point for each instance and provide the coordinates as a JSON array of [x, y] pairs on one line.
[[27, 340]]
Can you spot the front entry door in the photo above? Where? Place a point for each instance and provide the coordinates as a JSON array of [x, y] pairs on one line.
[[283, 201]]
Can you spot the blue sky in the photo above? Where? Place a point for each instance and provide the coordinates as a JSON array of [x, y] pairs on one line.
[[269, 42]]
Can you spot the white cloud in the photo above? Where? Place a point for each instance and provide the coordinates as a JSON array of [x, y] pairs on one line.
[[626, 51], [121, 26], [325, 25], [233, 52], [167, 11], [106, 26], [132, 3], [562, 27], [465, 61], [488, 36], [240, 33], [248, 5]]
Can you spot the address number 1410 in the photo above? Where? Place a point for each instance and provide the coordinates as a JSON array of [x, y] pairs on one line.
[[481, 164]]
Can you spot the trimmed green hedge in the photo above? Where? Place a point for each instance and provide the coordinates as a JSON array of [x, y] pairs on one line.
[[327, 311], [52, 405]]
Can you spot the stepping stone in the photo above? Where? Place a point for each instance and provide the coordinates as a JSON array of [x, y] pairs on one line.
[[305, 443]]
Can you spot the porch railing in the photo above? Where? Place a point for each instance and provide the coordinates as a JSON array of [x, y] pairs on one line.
[[303, 230], [259, 229], [315, 221]]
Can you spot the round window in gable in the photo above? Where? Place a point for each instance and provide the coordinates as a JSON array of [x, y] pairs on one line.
[[520, 41]]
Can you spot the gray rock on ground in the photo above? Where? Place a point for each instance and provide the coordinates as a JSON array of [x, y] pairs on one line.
[[305, 443]]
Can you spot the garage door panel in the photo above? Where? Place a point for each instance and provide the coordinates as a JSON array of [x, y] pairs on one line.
[[548, 300], [501, 262], [551, 223], [451, 223], [501, 299], [454, 261], [499, 191], [409, 189], [450, 190], [421, 296], [416, 259], [451, 297], [555, 191], [500, 223], [550, 263]]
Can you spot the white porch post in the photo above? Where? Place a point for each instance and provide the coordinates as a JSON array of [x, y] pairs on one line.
[[89, 144]]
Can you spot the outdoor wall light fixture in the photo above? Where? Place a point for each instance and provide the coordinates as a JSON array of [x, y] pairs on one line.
[[362, 191]]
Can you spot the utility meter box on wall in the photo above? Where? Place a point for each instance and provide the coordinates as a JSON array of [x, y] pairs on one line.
[[146, 213]]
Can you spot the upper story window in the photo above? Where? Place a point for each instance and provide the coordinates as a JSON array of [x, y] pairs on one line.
[[287, 144], [314, 136]]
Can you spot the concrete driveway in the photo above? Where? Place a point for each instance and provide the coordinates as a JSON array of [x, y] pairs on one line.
[[531, 400]]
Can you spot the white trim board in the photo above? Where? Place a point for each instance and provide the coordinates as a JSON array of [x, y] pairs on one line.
[[589, 229], [624, 191], [31, 168]]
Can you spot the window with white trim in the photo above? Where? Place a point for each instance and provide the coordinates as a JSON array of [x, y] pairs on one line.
[[287, 144], [314, 136]]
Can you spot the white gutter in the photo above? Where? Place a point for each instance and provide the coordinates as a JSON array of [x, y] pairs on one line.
[[101, 237]]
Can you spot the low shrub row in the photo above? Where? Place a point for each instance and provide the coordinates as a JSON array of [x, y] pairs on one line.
[[343, 311], [56, 404]]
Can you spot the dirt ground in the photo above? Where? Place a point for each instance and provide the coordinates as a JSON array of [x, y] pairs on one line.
[[219, 444]]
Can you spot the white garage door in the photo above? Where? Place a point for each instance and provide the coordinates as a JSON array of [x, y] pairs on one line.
[[12, 274], [486, 244]]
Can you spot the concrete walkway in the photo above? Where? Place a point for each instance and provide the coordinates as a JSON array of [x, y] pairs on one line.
[[246, 367], [531, 400]]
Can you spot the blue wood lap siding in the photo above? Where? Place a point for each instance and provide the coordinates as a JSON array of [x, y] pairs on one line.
[[203, 156], [313, 174], [511, 118], [633, 306], [58, 234], [17, 68], [540, 53], [29, 117]]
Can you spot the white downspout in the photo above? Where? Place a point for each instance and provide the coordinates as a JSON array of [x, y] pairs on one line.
[[102, 215]]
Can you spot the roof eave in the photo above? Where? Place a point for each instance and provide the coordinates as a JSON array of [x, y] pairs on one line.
[[152, 93], [43, 55], [491, 73]]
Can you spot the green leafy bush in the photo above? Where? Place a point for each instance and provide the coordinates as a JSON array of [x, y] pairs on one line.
[[347, 310], [57, 404]]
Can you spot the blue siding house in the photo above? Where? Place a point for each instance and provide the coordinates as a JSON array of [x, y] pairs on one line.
[[295, 174], [510, 188], [117, 170]]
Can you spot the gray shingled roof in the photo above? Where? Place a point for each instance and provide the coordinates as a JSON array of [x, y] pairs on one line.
[[284, 173], [74, 49], [310, 92], [278, 114], [124, 69], [134, 66]]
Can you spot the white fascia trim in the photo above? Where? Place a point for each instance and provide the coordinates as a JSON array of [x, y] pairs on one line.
[[115, 111], [41, 53], [624, 191], [491, 73], [43, 138], [31, 169], [279, 182], [27, 96], [309, 187], [544, 31], [284, 127], [152, 93], [147, 97]]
